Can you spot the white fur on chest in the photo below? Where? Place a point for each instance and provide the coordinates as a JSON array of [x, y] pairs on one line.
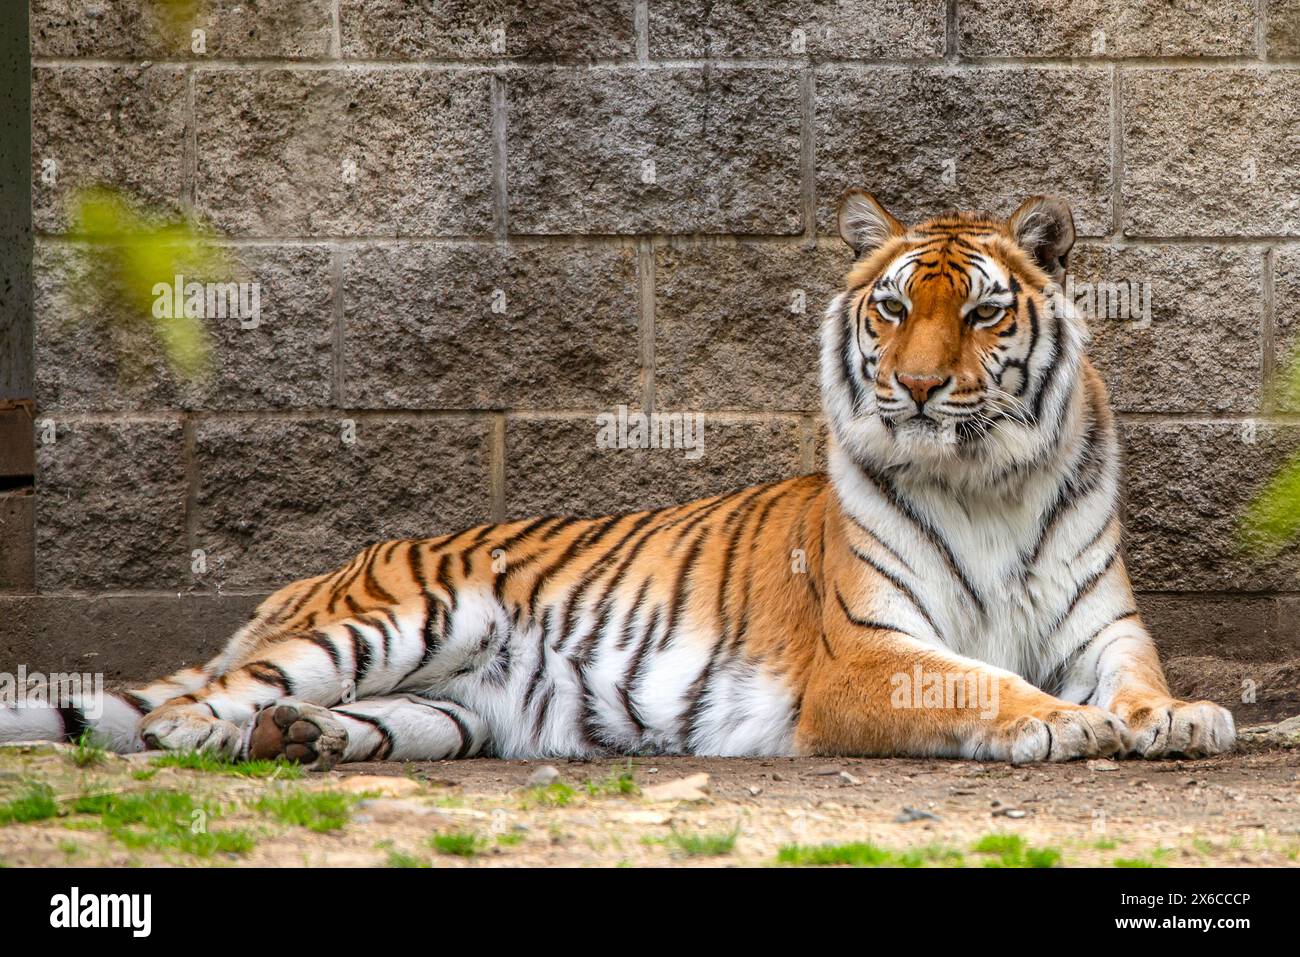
[[994, 592]]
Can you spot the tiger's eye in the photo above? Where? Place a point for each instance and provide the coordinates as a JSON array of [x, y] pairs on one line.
[[987, 311], [892, 307]]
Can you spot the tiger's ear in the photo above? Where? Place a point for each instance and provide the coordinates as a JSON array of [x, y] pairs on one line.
[[864, 224], [1044, 227]]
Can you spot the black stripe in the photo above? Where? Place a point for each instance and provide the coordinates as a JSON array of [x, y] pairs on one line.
[[1084, 479], [415, 561], [466, 738], [540, 668], [543, 710], [385, 746], [589, 536], [893, 553], [269, 673], [903, 588], [378, 624], [856, 393], [681, 588], [344, 583], [327, 646], [1083, 590], [932, 534], [868, 623], [589, 577], [443, 581], [371, 583], [632, 676], [74, 723], [136, 701], [361, 655], [1049, 377]]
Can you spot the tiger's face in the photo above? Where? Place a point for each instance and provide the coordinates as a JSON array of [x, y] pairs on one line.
[[948, 332]]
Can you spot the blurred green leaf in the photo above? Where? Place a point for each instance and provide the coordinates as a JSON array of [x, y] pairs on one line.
[[1273, 518], [133, 254]]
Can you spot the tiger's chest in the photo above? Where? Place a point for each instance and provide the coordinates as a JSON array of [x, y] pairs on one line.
[[994, 577]]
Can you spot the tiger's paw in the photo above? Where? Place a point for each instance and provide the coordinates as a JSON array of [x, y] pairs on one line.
[[1065, 734], [1194, 729], [306, 734], [175, 730]]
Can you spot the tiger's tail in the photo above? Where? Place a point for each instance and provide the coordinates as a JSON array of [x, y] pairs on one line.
[[70, 707], [103, 719]]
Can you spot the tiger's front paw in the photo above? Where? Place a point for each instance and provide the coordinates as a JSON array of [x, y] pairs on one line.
[[1064, 734], [1194, 729], [306, 734], [176, 730]]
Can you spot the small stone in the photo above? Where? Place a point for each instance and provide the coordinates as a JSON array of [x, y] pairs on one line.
[[849, 778], [693, 788], [754, 790], [1102, 764], [642, 817], [1014, 813], [1284, 734], [144, 757], [546, 775], [911, 814], [389, 787], [385, 809]]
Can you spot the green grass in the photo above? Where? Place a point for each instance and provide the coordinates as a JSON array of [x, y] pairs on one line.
[[318, 811], [556, 794], [1105, 844], [399, 859], [704, 845], [865, 854], [219, 764], [931, 855], [37, 803], [622, 784], [85, 754], [1155, 858], [510, 840], [163, 821], [457, 843], [1010, 850]]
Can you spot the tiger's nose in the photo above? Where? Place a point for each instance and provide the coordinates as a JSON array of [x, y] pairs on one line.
[[921, 386]]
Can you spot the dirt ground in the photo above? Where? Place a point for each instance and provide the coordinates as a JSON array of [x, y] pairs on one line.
[[1240, 809]]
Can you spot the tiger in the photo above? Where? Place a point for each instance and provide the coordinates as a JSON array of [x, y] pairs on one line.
[[963, 543]]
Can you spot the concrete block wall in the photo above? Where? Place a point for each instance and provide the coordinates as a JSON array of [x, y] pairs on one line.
[[478, 224]]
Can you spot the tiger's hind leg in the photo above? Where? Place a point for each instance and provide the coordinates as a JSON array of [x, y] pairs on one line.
[[405, 727]]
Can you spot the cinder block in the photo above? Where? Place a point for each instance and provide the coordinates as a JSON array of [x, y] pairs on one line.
[[313, 153], [555, 466], [665, 150], [283, 499], [927, 140], [1175, 185], [479, 326], [110, 504]]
